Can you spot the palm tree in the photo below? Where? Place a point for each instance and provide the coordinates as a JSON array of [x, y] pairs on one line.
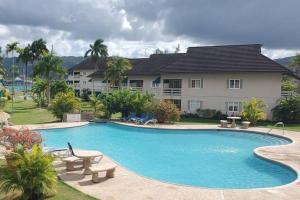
[[38, 49], [12, 47], [48, 67], [96, 51], [25, 56], [116, 70], [2, 68]]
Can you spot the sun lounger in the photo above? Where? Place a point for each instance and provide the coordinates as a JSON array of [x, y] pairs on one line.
[[153, 121], [108, 168]]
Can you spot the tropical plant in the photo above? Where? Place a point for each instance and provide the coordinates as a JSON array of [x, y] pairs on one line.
[[166, 111], [49, 67], [64, 103], [116, 70], [38, 90], [59, 86], [2, 68], [11, 48], [33, 174], [96, 51], [95, 103], [253, 110], [24, 136], [25, 56], [288, 110], [39, 49]]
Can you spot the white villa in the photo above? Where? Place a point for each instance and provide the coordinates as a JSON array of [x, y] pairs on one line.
[[214, 77]]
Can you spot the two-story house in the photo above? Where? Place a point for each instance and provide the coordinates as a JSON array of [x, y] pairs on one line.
[[214, 77]]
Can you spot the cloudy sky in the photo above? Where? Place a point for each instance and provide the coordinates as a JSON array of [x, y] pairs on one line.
[[135, 28]]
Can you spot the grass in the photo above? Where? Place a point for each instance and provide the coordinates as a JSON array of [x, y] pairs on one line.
[[266, 124], [63, 192], [26, 112]]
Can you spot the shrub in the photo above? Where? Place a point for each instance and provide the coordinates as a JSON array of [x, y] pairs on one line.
[[288, 110], [59, 86], [210, 114], [166, 111], [24, 136], [64, 103], [253, 110], [3, 101], [33, 174]]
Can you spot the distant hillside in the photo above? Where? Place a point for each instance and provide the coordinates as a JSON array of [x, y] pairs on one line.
[[284, 61], [68, 62]]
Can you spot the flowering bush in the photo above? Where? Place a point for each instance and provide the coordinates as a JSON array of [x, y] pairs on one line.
[[166, 111], [24, 136]]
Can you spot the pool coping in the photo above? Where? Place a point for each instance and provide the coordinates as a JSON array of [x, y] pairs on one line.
[[272, 153]]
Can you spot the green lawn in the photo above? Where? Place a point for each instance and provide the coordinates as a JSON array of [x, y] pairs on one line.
[[292, 127], [26, 112]]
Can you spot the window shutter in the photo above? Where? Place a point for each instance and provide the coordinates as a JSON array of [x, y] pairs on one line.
[[202, 83], [227, 83], [189, 107], [226, 107], [240, 106], [241, 83], [201, 104], [190, 83]]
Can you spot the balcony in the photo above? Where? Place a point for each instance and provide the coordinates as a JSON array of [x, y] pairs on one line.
[[172, 91]]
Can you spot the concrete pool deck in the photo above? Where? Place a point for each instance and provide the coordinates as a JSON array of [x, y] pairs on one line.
[[129, 185]]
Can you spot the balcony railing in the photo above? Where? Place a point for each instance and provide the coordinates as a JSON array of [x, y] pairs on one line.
[[286, 94], [136, 89], [172, 91]]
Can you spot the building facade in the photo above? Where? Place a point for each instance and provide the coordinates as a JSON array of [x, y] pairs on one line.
[[213, 77]]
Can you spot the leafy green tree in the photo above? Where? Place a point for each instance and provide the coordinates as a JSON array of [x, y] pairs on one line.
[[96, 51], [26, 56], [49, 67], [59, 86], [116, 70], [166, 111], [64, 103], [253, 110], [39, 49], [12, 48], [288, 110], [94, 102], [2, 68], [33, 174], [38, 90]]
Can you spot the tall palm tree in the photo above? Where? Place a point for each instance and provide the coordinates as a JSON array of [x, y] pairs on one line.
[[11, 48], [2, 68], [96, 51], [38, 49], [26, 57], [116, 70], [48, 67]]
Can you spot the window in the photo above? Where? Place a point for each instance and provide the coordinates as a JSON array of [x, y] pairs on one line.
[[84, 82], [197, 83], [136, 83], [172, 83], [155, 85], [234, 83], [84, 73], [233, 106], [194, 105]]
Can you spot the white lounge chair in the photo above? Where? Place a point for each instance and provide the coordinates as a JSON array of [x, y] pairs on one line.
[[153, 121]]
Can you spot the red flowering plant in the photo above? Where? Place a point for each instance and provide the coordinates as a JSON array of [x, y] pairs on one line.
[[11, 137]]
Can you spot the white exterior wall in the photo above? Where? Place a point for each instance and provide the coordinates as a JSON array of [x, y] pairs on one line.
[[214, 94], [82, 78]]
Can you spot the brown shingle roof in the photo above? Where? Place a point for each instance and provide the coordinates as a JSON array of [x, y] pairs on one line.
[[228, 58]]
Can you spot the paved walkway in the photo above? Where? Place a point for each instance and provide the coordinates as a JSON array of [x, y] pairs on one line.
[[130, 186], [51, 125]]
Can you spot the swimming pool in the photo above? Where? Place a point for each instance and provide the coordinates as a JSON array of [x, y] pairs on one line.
[[206, 158]]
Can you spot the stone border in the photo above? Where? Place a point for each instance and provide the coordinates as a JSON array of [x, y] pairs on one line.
[[129, 185]]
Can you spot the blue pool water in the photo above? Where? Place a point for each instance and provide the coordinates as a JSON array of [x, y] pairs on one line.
[[207, 158]]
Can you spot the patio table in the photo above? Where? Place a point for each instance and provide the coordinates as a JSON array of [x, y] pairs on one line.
[[86, 156], [233, 124]]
